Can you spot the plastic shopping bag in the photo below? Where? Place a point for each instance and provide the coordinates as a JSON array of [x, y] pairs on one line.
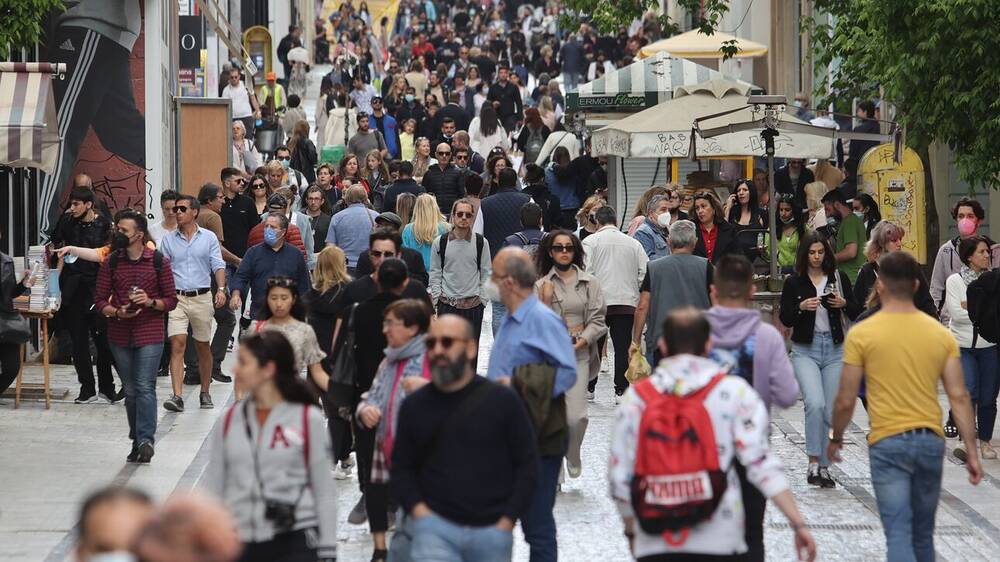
[[638, 367]]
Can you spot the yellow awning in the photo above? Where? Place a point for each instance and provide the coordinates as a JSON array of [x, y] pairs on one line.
[[695, 45]]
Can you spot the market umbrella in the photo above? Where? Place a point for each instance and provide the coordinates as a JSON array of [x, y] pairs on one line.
[[696, 45]]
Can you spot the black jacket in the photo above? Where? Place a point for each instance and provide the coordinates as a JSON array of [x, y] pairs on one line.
[[803, 322], [866, 281], [412, 258], [446, 185], [858, 148], [549, 203], [726, 242], [457, 113], [783, 184], [304, 159], [510, 100], [9, 287], [400, 186]]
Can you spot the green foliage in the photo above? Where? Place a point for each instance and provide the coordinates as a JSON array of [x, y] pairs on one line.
[[22, 22], [938, 61], [611, 16]]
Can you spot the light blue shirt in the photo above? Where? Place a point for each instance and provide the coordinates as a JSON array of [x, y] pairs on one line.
[[534, 334], [349, 230], [194, 261]]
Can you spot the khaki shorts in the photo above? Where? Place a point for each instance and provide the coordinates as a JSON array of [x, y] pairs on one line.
[[197, 311]]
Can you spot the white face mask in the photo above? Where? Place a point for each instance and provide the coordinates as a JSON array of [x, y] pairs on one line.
[[491, 291], [663, 220], [117, 556]]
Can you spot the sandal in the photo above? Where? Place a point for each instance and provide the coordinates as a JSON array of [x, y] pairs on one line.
[[380, 555]]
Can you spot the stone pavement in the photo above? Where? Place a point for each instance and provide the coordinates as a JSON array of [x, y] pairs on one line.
[[52, 459]]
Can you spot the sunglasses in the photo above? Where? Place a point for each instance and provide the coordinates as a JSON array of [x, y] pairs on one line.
[[281, 282], [461, 157], [463, 215], [563, 249], [258, 186], [447, 342], [444, 153], [378, 254], [180, 209]]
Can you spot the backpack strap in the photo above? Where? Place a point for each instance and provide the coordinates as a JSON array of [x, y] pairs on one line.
[[479, 252], [227, 420], [522, 238], [442, 247], [647, 391], [305, 436]]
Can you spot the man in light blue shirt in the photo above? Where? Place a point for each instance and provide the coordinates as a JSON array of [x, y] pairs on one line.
[[532, 334], [195, 256], [349, 229]]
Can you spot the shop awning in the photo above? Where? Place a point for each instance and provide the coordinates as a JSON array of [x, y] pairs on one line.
[[640, 85], [29, 130], [696, 45]]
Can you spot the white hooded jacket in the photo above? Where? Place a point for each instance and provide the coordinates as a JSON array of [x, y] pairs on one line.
[[740, 421]]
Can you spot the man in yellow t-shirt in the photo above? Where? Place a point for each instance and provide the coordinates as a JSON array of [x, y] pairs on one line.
[[904, 353]]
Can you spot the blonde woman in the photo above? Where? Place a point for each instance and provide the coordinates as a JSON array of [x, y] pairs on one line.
[[422, 158], [428, 223], [404, 206], [329, 279], [547, 111], [585, 217], [277, 176], [245, 155]]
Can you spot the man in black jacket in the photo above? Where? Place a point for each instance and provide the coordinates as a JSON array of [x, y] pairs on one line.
[[499, 216], [455, 111], [465, 458], [792, 179], [287, 43], [506, 98], [414, 261], [404, 184], [443, 180]]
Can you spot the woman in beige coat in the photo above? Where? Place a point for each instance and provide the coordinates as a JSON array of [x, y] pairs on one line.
[[576, 296]]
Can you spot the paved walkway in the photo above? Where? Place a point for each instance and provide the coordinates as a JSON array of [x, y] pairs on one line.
[[52, 459]]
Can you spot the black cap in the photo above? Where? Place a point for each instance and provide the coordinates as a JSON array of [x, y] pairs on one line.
[[277, 201]]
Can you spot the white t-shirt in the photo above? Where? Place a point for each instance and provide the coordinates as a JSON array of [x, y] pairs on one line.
[[241, 100], [157, 231], [822, 316]]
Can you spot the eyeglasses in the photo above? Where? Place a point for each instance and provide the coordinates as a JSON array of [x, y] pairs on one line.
[[461, 157], [563, 249], [378, 254], [180, 209], [281, 282], [447, 342], [463, 214], [258, 186]]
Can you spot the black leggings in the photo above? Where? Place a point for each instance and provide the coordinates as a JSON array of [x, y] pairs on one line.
[[10, 363], [286, 547]]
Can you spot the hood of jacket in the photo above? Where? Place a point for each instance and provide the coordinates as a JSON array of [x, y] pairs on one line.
[[684, 374], [562, 173], [732, 326]]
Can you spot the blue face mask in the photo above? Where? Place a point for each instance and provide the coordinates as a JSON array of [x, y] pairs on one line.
[[285, 162], [270, 235], [409, 98]]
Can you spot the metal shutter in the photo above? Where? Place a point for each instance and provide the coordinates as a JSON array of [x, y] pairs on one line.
[[642, 173]]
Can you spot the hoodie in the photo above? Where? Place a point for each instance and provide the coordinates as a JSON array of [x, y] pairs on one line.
[[946, 264], [774, 379], [740, 423], [562, 183]]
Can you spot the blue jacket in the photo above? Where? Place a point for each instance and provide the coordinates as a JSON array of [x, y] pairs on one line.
[[261, 262], [652, 240], [389, 132]]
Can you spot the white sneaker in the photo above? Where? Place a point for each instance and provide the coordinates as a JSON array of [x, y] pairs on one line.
[[573, 471], [343, 471], [618, 399], [590, 396]]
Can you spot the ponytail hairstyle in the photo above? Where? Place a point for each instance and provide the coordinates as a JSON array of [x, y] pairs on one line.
[[271, 346]]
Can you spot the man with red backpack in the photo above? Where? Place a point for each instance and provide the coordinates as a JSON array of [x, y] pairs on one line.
[[677, 439]]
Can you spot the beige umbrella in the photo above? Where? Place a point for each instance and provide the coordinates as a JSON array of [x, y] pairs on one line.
[[696, 45]]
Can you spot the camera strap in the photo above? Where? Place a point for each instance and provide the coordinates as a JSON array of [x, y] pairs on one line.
[[254, 445]]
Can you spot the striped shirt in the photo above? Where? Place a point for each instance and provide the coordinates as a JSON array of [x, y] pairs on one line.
[[148, 327]]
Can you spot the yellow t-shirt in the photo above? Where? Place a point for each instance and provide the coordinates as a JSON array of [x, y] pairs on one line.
[[903, 356]]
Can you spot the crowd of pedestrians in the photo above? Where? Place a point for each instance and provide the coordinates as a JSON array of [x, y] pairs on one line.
[[351, 267]]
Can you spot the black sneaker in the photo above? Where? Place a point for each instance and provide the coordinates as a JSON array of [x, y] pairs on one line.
[[86, 397], [174, 404], [221, 377], [358, 515], [133, 455], [163, 372], [812, 475], [192, 379], [120, 395], [825, 480], [950, 431], [206, 401], [145, 452]]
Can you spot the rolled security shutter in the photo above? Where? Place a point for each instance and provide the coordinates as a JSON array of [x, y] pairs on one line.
[[632, 177]]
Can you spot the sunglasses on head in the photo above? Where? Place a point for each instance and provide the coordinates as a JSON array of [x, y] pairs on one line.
[[281, 282], [563, 249], [180, 209], [378, 254], [463, 214], [447, 342]]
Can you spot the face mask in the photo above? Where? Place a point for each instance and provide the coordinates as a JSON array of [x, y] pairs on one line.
[[663, 220], [860, 214], [444, 375], [831, 221], [119, 241], [118, 556], [270, 236], [562, 266], [409, 98], [285, 162], [967, 226], [797, 103], [787, 220], [491, 291]]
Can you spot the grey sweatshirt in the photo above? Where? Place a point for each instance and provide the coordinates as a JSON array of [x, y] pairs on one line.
[[118, 20], [284, 472], [460, 277]]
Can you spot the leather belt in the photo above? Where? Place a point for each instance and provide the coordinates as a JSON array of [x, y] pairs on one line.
[[193, 292]]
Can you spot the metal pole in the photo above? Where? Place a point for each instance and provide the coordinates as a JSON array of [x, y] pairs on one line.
[[772, 201]]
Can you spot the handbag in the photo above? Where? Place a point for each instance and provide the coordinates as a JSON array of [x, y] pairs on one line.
[[343, 371], [14, 328]]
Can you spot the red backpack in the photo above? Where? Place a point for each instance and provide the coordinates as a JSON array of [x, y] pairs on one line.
[[678, 482]]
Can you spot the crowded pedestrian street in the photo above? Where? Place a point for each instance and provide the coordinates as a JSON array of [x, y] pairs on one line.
[[498, 280]]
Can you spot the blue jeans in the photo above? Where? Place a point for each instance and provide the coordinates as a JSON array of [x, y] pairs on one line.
[[538, 523], [906, 474], [435, 539], [499, 311], [817, 368], [137, 368], [982, 379]]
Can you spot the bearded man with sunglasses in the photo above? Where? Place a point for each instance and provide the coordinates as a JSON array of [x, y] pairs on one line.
[[196, 257]]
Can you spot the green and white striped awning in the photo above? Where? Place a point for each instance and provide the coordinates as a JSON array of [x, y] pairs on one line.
[[640, 85]]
